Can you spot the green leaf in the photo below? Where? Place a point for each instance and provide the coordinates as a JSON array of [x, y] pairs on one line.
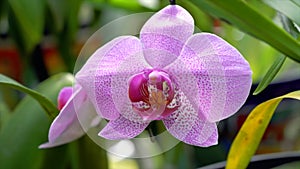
[[287, 7], [251, 21], [30, 18], [85, 153], [27, 128], [91, 155], [4, 113], [56, 158], [57, 9], [48, 106], [274, 69], [269, 12], [133, 4], [270, 75], [290, 26], [66, 38], [248, 138], [3, 8], [297, 2], [16, 33]]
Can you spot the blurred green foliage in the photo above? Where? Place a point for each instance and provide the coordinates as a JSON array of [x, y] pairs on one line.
[[27, 128]]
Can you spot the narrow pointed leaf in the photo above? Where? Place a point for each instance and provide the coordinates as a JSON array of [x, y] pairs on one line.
[[276, 66], [270, 75], [290, 26], [248, 138], [297, 2], [288, 8], [252, 22], [48, 106]]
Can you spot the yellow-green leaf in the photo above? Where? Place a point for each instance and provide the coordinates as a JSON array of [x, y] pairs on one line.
[[247, 140]]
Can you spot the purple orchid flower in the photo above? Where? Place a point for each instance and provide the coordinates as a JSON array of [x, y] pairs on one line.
[[189, 81]]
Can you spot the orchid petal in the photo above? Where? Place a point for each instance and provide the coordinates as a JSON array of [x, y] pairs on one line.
[[186, 125], [63, 96], [66, 127], [107, 62], [222, 75], [122, 128], [164, 35], [129, 124]]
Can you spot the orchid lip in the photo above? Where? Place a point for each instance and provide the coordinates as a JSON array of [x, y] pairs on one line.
[[152, 94]]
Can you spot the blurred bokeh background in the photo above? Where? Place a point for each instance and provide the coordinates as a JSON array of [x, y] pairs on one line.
[[41, 38]]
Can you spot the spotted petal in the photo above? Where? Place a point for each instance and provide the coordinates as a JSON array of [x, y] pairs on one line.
[[222, 76], [164, 35], [129, 124], [66, 127], [107, 62], [122, 128], [186, 125]]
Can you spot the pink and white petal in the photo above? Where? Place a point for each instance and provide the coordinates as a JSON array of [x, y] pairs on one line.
[[203, 129], [164, 35], [87, 115], [96, 75], [129, 124], [122, 128], [212, 140], [63, 97], [186, 125], [66, 127], [222, 75]]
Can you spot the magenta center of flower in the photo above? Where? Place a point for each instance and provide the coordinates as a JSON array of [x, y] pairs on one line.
[[153, 94]]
